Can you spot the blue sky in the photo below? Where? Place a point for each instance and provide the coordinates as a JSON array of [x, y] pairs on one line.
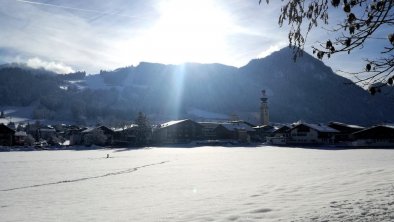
[[67, 35]]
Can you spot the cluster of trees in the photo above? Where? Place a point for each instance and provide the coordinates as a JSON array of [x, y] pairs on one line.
[[80, 75], [21, 87], [144, 129], [116, 77]]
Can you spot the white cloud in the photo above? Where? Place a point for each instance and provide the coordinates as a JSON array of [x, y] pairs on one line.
[[273, 48], [92, 35], [59, 68]]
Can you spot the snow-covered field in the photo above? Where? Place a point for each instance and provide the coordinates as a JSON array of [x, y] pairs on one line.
[[198, 184]]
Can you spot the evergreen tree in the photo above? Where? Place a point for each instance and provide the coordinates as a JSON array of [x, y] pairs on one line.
[[143, 131]]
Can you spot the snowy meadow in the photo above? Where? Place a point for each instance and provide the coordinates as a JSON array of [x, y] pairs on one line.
[[198, 184]]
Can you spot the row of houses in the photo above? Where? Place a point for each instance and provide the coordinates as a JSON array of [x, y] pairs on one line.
[[333, 133], [173, 132], [186, 131]]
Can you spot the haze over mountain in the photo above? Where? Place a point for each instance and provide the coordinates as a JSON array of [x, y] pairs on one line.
[[306, 90]]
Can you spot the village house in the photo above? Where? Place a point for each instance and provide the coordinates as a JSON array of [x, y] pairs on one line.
[[20, 138], [307, 133], [375, 136], [282, 131], [280, 135], [125, 136], [99, 135], [262, 132], [178, 131], [235, 130], [6, 135], [208, 130], [73, 133], [61, 130], [346, 131], [46, 132]]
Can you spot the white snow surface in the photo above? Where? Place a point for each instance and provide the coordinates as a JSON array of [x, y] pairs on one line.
[[198, 184]]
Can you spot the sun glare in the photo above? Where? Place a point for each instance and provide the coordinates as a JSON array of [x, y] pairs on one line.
[[187, 31]]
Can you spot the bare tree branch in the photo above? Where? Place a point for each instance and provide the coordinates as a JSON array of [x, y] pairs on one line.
[[362, 19]]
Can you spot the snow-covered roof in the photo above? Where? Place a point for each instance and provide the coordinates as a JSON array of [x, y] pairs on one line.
[[89, 129], [319, 127], [170, 123], [387, 125], [104, 128], [20, 133], [282, 128], [124, 128], [232, 126], [47, 130], [347, 125], [263, 127]]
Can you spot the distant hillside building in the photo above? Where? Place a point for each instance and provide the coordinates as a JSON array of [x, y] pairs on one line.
[[264, 114]]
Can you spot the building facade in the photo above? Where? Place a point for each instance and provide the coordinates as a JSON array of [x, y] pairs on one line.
[[235, 130], [178, 131], [345, 131], [375, 136], [306, 133]]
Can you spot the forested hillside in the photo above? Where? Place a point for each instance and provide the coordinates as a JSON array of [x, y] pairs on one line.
[[306, 90]]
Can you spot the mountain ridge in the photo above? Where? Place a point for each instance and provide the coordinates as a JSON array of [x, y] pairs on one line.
[[307, 90]]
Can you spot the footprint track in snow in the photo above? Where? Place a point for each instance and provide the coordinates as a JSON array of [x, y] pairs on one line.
[[131, 170]]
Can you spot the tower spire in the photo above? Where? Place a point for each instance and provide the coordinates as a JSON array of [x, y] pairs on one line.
[[264, 114]]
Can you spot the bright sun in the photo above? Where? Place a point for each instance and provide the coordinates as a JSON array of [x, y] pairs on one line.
[[187, 31]]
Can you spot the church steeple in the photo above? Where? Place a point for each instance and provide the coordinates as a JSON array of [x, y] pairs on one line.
[[264, 114]]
